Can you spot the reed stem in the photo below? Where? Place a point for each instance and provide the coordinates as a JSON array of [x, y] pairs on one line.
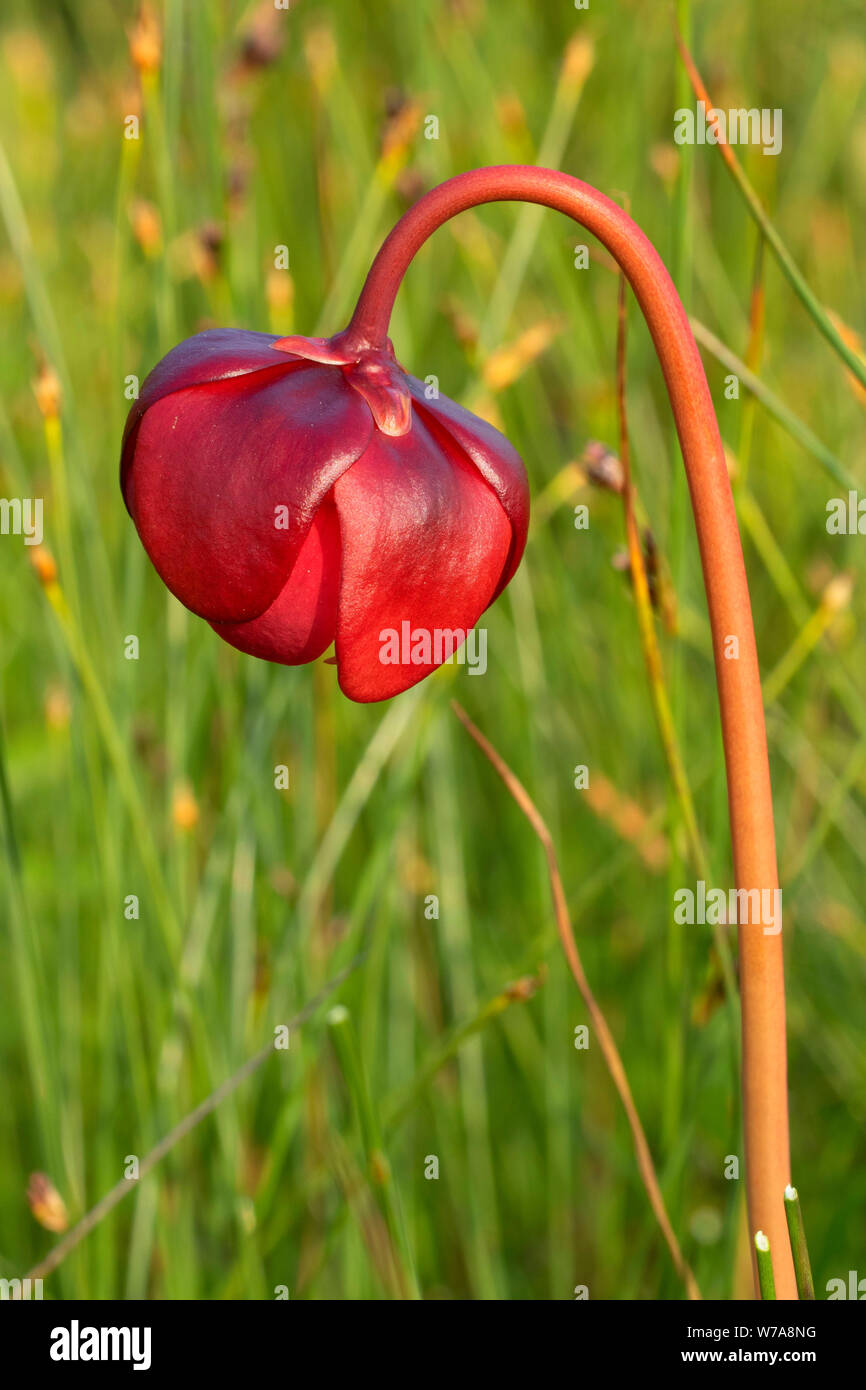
[[765, 1103], [799, 1249], [764, 1260]]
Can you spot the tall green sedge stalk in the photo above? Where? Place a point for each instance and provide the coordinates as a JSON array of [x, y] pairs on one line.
[[800, 1251], [765, 1103], [764, 1262]]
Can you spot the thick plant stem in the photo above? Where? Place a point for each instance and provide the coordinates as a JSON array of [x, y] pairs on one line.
[[762, 990]]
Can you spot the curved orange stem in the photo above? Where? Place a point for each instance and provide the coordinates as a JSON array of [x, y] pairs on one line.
[[762, 989]]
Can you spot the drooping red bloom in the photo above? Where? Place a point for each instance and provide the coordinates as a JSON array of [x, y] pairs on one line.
[[297, 492]]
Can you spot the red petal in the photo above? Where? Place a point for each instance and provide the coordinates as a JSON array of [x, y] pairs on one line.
[[496, 460], [301, 622], [424, 541], [215, 355], [212, 464]]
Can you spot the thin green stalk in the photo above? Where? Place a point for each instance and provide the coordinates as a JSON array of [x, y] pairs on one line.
[[127, 167], [185, 1005], [816, 311], [190, 1121], [754, 350], [483, 1235], [381, 746], [672, 721], [771, 402], [540, 739], [776, 563], [162, 167], [683, 236], [766, 1282], [117, 754], [771, 553], [18, 231], [797, 1232], [397, 1106], [807, 639], [831, 806], [363, 234], [53, 430], [576, 68], [378, 1168], [30, 986]]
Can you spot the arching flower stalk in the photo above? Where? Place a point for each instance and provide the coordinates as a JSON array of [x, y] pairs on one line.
[[298, 492]]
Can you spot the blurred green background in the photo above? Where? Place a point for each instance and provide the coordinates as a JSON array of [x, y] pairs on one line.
[[155, 777]]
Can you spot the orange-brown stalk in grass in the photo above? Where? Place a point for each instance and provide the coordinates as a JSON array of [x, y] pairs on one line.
[[765, 1098]]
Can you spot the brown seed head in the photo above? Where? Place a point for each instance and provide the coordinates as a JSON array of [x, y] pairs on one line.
[[603, 468], [146, 226], [145, 41], [262, 42], [184, 807], [46, 1203], [48, 393], [44, 564], [57, 706]]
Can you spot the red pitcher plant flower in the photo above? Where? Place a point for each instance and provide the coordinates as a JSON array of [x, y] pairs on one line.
[[299, 492]]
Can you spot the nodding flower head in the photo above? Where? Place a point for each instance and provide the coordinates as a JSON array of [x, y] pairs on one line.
[[299, 492]]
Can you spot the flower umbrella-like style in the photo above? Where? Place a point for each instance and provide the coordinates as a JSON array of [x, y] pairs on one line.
[[297, 492]]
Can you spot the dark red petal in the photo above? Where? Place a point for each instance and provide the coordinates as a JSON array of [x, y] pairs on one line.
[[302, 620], [213, 463], [424, 541], [496, 460], [215, 355]]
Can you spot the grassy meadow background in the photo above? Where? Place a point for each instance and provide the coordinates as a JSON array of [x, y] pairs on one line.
[[155, 777]]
